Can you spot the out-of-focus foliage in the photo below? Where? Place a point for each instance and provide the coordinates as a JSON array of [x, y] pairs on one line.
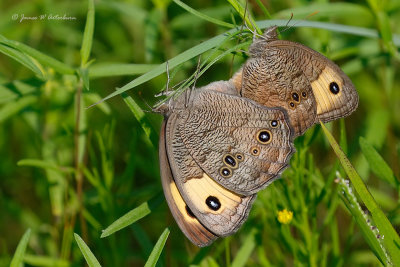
[[67, 169]]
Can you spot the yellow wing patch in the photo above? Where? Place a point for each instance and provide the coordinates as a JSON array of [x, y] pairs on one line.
[[181, 205], [199, 189], [326, 100]]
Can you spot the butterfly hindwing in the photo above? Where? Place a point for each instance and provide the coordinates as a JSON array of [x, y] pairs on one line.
[[241, 145], [221, 211], [187, 221]]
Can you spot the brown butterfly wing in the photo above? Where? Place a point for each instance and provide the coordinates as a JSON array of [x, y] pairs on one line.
[[273, 80], [280, 72], [334, 93], [221, 211], [187, 221], [221, 134]]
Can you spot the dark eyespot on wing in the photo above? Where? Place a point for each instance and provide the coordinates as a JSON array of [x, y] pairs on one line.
[[213, 203], [334, 88]]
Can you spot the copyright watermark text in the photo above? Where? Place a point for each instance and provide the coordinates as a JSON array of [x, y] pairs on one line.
[[22, 17]]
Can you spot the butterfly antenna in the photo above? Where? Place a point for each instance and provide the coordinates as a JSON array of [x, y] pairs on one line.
[[163, 105], [291, 17], [166, 90], [297, 22], [168, 78], [196, 75]]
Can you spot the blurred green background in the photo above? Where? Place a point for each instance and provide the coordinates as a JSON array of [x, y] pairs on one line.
[[66, 169]]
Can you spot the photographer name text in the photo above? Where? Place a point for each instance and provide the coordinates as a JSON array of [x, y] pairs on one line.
[[22, 17]]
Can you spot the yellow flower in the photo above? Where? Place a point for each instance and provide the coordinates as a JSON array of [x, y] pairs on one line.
[[285, 216]]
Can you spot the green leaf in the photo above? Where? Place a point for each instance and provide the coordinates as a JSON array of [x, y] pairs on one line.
[[93, 98], [377, 119], [45, 261], [88, 34], [245, 250], [327, 10], [39, 56], [156, 252], [188, 21], [84, 74], [203, 16], [89, 257], [118, 69], [13, 108], [264, 9], [350, 200], [14, 90], [19, 254], [141, 117], [378, 165], [391, 238], [245, 15], [23, 59], [134, 215], [45, 165]]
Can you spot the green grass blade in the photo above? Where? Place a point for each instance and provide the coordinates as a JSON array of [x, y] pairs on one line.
[[378, 165], [384, 25], [89, 257], [93, 98], [38, 163], [23, 59], [353, 30], [203, 16], [12, 91], [19, 254], [13, 108], [156, 252], [263, 8], [133, 215], [88, 34], [350, 200], [245, 15], [391, 238], [45, 261], [187, 21], [39, 56], [134, 12], [245, 250], [84, 74], [141, 117], [326, 10], [118, 69]]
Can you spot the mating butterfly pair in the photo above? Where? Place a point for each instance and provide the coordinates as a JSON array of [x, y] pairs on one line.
[[233, 138]]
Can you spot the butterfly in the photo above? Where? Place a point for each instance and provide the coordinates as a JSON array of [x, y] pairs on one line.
[[286, 74]]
